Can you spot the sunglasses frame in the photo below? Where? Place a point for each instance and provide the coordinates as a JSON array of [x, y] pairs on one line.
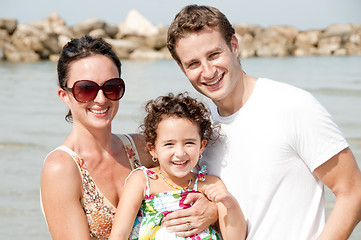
[[99, 88]]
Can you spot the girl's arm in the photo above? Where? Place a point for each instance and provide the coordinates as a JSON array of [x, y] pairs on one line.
[[129, 203], [230, 216], [61, 190]]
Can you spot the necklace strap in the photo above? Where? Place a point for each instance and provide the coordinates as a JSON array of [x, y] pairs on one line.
[[173, 186]]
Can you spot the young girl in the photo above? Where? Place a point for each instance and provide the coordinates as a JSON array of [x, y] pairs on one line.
[[176, 130]]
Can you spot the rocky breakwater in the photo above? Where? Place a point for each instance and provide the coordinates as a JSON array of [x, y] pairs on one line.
[[137, 38]]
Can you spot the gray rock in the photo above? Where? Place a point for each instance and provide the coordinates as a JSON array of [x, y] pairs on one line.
[[111, 30], [328, 45], [352, 48], [14, 55], [304, 50], [341, 30], [99, 33], [246, 46], [87, 25], [146, 54], [159, 40], [8, 24], [308, 38], [138, 38], [123, 48], [4, 36], [136, 24]]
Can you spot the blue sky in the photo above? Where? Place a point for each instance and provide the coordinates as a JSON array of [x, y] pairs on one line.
[[303, 14]]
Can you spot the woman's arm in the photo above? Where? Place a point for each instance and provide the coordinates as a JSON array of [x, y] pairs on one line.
[[129, 203], [61, 189], [230, 215]]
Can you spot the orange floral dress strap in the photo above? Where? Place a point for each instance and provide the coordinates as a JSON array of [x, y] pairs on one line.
[[130, 149]]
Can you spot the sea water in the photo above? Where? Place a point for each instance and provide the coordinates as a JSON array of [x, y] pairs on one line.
[[32, 119]]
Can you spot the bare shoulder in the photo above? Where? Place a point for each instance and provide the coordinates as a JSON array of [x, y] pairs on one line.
[[60, 177], [136, 180], [59, 164], [139, 174], [212, 179]]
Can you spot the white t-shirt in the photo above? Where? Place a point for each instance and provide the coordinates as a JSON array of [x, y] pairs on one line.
[[267, 155]]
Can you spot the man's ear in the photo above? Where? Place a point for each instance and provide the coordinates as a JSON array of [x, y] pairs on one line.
[[235, 45]]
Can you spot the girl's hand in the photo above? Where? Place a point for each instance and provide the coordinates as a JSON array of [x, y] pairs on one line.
[[218, 193]]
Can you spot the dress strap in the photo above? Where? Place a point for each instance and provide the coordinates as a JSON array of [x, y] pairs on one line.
[[130, 149], [79, 162], [200, 176], [146, 171]]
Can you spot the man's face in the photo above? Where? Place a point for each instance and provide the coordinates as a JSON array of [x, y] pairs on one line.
[[209, 63]]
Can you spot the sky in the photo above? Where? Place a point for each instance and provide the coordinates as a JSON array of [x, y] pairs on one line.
[[302, 14]]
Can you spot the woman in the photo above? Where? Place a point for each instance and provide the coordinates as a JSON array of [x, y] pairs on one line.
[[82, 180]]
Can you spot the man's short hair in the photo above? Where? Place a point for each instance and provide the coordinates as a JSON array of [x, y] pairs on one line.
[[194, 18]]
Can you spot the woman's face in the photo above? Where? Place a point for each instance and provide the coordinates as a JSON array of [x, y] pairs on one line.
[[97, 113]]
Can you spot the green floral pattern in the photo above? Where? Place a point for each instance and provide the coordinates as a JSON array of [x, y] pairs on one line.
[[155, 207]]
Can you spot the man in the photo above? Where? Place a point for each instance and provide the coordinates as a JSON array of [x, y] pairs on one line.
[[279, 146]]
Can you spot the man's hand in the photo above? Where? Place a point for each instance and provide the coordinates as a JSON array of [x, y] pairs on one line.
[[190, 221]]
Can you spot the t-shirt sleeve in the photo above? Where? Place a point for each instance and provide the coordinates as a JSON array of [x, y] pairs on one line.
[[316, 138]]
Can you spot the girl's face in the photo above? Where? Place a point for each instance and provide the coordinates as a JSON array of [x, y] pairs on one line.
[[99, 112], [178, 147]]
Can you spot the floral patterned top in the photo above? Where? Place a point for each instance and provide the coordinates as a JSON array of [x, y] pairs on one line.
[[99, 211], [154, 207]]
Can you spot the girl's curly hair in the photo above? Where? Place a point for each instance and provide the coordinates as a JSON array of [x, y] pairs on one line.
[[180, 106]]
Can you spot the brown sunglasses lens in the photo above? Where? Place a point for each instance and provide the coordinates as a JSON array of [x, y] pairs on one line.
[[114, 89], [85, 90]]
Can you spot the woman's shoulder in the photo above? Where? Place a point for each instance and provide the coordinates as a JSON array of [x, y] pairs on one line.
[[60, 177], [59, 163]]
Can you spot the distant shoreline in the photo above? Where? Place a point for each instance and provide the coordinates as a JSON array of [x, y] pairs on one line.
[[138, 39]]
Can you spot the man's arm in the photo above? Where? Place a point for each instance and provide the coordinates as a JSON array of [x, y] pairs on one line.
[[342, 175], [201, 215]]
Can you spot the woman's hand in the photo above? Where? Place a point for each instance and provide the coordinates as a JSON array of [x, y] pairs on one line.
[[190, 221]]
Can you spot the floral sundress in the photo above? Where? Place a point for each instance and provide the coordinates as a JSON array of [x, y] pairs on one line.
[[154, 207]]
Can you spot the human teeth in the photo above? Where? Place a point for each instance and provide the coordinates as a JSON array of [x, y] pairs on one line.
[[214, 82], [99, 111], [179, 163]]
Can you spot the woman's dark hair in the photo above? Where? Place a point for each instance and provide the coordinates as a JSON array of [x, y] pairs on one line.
[[79, 48], [179, 106]]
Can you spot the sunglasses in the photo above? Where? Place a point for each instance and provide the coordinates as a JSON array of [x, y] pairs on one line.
[[86, 90]]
